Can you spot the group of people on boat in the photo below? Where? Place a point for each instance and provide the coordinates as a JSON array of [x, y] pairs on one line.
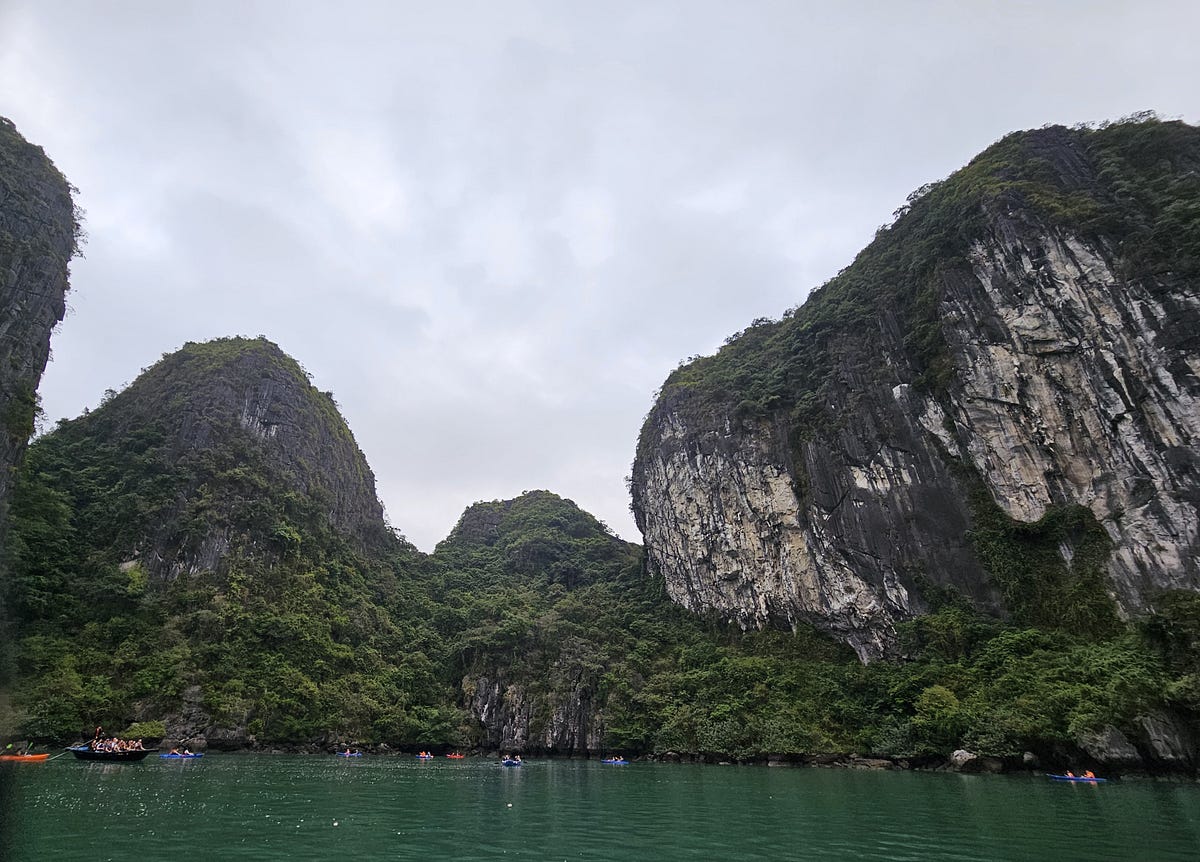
[[112, 743], [102, 742]]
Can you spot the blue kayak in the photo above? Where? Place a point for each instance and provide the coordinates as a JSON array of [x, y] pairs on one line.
[[510, 762], [616, 761], [344, 754], [181, 756], [1082, 778]]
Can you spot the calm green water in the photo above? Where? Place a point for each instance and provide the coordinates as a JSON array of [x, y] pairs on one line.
[[325, 808]]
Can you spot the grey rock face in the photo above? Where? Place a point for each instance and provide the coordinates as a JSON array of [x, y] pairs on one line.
[[297, 429], [1168, 741], [964, 761], [513, 718], [235, 408], [723, 522], [1111, 748], [37, 240], [1076, 393], [1068, 382]]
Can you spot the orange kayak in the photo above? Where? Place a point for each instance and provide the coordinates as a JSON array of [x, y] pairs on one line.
[[25, 758]]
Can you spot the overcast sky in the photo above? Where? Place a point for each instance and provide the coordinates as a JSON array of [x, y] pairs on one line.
[[493, 228]]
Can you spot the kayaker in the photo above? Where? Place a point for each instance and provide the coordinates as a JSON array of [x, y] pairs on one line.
[[1089, 774], [1070, 774]]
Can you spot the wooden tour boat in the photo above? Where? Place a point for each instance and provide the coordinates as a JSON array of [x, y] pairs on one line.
[[82, 752]]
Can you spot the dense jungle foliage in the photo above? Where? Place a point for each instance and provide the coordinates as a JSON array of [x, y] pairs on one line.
[[321, 645], [276, 628]]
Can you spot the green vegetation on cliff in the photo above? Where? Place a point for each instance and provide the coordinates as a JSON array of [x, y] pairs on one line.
[[1137, 181], [164, 557], [1132, 187], [39, 235], [205, 550], [946, 368], [320, 643]]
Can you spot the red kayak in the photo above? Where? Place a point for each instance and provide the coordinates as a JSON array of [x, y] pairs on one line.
[[24, 758]]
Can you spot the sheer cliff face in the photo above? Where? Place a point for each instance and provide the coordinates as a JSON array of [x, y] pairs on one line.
[[726, 525], [251, 455], [1075, 384], [37, 239], [513, 718], [1061, 373]]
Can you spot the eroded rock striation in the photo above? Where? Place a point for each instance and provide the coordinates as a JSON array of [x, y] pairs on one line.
[[565, 720], [38, 232], [1010, 364]]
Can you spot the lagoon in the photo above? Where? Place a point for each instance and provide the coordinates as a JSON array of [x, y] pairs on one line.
[[307, 807]]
